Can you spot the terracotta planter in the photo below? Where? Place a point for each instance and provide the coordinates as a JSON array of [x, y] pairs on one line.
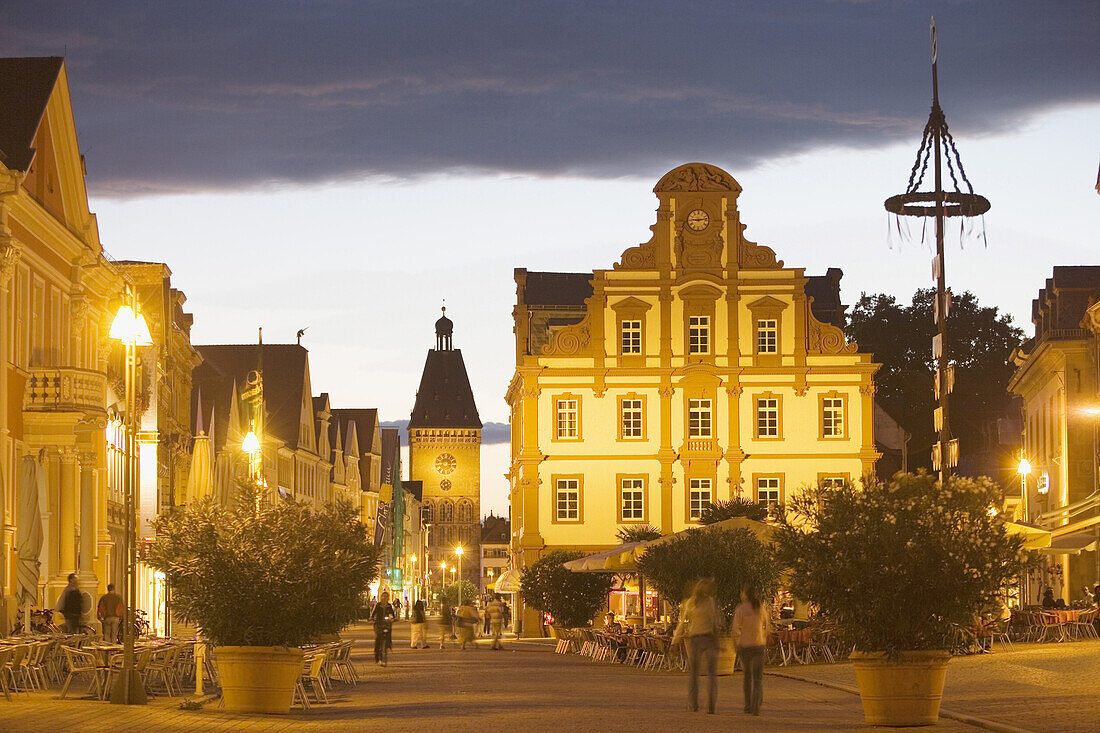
[[905, 691], [258, 679]]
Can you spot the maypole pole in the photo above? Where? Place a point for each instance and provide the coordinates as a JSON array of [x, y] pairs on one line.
[[936, 141]]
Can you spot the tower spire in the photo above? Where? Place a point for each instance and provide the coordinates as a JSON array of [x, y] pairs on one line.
[[444, 328]]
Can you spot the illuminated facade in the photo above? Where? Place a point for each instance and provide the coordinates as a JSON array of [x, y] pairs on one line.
[[697, 369], [1056, 378], [445, 453]]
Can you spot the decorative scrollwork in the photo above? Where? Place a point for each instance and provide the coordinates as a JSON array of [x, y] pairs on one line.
[[825, 338], [642, 257], [755, 256], [697, 177]]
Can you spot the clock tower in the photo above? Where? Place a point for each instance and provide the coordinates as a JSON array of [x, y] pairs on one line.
[[445, 454]]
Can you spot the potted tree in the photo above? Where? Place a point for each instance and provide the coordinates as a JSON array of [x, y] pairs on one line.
[[261, 579], [900, 567], [573, 599]]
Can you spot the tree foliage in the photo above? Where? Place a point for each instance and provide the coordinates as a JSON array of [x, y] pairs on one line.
[[732, 557], [737, 507], [573, 599], [898, 565], [262, 574], [450, 593], [980, 341], [637, 533]]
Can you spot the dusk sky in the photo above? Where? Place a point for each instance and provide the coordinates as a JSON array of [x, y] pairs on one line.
[[347, 165]]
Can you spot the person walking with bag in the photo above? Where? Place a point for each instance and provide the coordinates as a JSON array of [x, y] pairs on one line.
[[467, 624], [699, 625], [750, 636], [419, 621]]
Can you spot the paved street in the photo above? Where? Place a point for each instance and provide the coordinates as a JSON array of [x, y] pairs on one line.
[[1038, 687], [532, 689]]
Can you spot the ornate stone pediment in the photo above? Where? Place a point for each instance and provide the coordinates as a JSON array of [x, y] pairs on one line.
[[825, 338], [699, 255], [697, 177], [642, 257], [573, 340], [753, 256]]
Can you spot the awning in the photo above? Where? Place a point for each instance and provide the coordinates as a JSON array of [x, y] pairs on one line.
[[762, 530], [617, 559], [1034, 537], [1071, 544], [508, 582]]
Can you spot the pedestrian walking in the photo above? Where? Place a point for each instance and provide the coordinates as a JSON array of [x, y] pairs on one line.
[[446, 620], [110, 610], [382, 616], [419, 620], [466, 619], [750, 635], [396, 608], [494, 619], [699, 625], [485, 621], [70, 605]]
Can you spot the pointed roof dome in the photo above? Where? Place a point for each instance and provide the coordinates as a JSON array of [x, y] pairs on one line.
[[444, 326]]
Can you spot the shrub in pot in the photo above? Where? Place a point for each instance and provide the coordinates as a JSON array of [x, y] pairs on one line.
[[900, 567], [573, 599], [260, 579]]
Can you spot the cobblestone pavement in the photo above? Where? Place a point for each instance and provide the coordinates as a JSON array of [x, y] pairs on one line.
[[1038, 687], [526, 688]]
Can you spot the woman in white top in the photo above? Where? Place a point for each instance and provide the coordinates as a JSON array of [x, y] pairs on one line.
[[699, 622], [750, 635]]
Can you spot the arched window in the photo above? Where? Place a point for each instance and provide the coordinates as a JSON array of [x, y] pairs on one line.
[[465, 512], [446, 511]]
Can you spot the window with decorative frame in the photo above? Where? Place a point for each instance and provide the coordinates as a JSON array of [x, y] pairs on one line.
[[567, 499], [700, 496], [767, 336], [832, 480], [631, 498], [567, 417], [767, 416], [700, 418], [630, 337], [631, 417], [769, 490], [699, 334], [833, 418]]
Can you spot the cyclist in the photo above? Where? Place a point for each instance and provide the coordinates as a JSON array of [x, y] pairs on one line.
[[382, 616]]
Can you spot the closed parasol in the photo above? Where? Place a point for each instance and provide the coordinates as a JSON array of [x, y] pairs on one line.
[[28, 532]]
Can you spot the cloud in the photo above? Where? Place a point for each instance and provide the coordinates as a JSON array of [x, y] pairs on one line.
[[218, 96]]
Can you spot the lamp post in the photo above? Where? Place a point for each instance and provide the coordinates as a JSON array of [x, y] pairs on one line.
[[1024, 469], [458, 552], [130, 328], [415, 567], [442, 582]]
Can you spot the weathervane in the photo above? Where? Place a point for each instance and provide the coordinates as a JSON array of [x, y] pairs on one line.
[[939, 204]]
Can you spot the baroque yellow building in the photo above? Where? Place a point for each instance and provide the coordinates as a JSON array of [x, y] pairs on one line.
[[697, 369]]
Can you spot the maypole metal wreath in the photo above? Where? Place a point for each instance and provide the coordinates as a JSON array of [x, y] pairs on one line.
[[939, 204]]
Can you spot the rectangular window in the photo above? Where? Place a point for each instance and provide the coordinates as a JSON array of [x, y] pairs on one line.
[[699, 335], [633, 496], [631, 418], [832, 482], [566, 418], [567, 498], [832, 417], [631, 337], [699, 419], [699, 497], [767, 490], [767, 336], [767, 417]]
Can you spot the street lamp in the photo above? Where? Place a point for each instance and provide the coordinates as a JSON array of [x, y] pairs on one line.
[[459, 551], [415, 568], [129, 327], [442, 581], [1024, 469]]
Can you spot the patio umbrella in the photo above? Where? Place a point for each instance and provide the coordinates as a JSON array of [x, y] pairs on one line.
[[28, 532], [609, 561], [1034, 537], [508, 582], [763, 531], [200, 480]]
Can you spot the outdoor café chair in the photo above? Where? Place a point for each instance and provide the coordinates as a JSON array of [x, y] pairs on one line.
[[16, 667], [1083, 626], [819, 646], [300, 696], [634, 649], [998, 631], [341, 663], [312, 672], [162, 665], [83, 663], [5, 657]]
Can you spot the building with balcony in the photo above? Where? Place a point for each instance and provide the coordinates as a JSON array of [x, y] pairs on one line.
[[696, 369], [1056, 378], [58, 295]]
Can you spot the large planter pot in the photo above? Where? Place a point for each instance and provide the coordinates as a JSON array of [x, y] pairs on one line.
[[258, 679], [903, 691]]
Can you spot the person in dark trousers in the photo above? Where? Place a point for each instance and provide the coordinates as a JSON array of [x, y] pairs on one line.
[[750, 638], [699, 625], [417, 637], [445, 622], [70, 604], [382, 616]]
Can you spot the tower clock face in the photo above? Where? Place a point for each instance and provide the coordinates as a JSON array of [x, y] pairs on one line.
[[698, 220], [445, 463]]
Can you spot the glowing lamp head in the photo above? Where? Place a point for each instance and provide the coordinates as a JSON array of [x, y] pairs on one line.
[[1024, 469], [412, 558], [130, 328], [443, 566], [992, 511], [459, 550], [251, 444]]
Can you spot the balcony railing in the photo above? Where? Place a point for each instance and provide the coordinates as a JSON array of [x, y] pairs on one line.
[[65, 389], [701, 445]]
